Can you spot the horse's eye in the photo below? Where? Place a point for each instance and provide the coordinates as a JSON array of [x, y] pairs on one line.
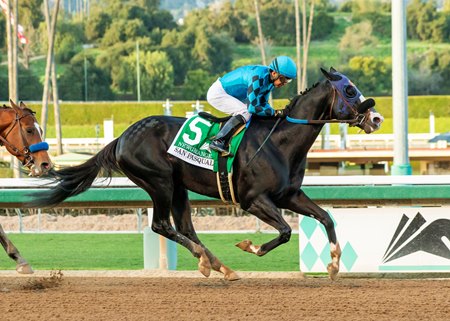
[[350, 91], [29, 130]]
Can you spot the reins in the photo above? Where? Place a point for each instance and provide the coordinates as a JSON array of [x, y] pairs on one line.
[[358, 120], [265, 140]]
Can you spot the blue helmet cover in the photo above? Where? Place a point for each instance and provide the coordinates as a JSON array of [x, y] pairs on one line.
[[285, 66]]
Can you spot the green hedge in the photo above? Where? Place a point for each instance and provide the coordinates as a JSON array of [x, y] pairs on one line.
[[126, 113], [418, 106]]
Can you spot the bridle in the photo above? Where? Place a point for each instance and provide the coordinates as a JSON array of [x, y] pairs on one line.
[[358, 120], [27, 150]]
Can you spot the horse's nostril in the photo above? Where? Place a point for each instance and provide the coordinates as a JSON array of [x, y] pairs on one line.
[[376, 120], [45, 165]]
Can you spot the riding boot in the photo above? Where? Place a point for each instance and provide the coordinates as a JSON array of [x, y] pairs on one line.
[[223, 137]]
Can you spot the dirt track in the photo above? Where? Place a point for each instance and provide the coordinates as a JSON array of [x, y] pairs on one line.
[[191, 297]]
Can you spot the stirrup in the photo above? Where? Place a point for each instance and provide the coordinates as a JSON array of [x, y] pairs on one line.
[[222, 151]]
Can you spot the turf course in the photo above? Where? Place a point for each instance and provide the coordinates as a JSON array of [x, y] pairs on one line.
[[125, 252]]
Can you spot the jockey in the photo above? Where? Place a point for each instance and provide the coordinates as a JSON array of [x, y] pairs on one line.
[[245, 91]]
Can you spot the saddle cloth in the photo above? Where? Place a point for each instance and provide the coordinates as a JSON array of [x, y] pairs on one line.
[[191, 143]]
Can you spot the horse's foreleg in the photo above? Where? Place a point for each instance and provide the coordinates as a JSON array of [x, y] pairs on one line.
[[22, 265], [264, 209], [181, 212], [302, 204]]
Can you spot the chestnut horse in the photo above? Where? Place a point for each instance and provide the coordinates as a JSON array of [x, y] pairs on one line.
[[21, 135], [267, 170]]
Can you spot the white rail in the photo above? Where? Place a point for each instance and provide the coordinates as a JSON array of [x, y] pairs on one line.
[[364, 180]]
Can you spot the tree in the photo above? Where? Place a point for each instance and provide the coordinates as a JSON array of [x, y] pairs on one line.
[[374, 75], [197, 83], [97, 24], [357, 36], [156, 75], [420, 18], [30, 88], [380, 21], [72, 85], [441, 28]]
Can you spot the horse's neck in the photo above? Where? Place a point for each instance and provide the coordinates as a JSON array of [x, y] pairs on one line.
[[5, 120], [297, 139]]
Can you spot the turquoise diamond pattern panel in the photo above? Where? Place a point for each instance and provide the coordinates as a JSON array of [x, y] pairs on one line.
[[309, 256], [349, 256], [308, 225], [325, 256]]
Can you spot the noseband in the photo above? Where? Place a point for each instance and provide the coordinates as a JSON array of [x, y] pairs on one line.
[[28, 150]]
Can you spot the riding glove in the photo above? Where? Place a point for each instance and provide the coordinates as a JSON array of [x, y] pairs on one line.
[[280, 113]]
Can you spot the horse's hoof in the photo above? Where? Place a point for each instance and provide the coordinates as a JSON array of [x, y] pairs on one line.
[[24, 268], [248, 246], [244, 245], [333, 271], [232, 276], [204, 266]]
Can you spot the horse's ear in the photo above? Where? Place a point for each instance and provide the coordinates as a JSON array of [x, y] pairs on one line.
[[330, 76], [14, 106], [22, 105], [332, 70]]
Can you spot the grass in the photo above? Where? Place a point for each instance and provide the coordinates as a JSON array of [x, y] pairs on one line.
[[125, 252]]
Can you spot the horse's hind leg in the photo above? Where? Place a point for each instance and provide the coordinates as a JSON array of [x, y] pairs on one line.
[[160, 190], [181, 213], [22, 265]]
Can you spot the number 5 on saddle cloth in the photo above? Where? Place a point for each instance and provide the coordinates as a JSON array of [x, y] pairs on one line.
[[191, 144]]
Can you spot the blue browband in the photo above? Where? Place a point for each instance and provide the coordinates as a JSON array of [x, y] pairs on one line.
[[37, 147]]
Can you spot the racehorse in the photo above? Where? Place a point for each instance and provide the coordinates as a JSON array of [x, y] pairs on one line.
[[22, 137], [265, 178]]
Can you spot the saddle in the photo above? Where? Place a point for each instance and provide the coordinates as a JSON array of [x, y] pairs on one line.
[[224, 174], [191, 144]]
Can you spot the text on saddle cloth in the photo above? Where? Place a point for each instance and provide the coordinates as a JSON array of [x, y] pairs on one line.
[[191, 144]]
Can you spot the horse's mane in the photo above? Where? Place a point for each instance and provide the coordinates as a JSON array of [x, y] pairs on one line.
[[293, 101]]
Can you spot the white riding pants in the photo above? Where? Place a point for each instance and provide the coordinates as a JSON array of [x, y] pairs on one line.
[[219, 99]]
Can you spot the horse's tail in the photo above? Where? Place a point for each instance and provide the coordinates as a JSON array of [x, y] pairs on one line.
[[71, 181]]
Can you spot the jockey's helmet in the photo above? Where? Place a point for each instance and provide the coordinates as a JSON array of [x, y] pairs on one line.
[[285, 66]]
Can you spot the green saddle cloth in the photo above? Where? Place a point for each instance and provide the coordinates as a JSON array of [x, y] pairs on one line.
[[192, 143]]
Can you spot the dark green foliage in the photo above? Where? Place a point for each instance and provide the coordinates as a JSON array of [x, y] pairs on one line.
[[381, 22], [72, 82], [323, 25], [278, 22], [426, 23], [69, 40], [372, 75], [97, 24], [29, 85], [197, 83], [2, 31]]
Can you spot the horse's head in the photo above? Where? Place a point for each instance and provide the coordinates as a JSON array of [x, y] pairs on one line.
[[349, 103], [22, 137]]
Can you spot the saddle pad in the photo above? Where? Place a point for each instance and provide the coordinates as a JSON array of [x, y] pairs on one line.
[[191, 143]]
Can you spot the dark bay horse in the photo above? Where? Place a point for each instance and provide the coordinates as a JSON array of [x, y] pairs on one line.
[[271, 181], [21, 135]]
